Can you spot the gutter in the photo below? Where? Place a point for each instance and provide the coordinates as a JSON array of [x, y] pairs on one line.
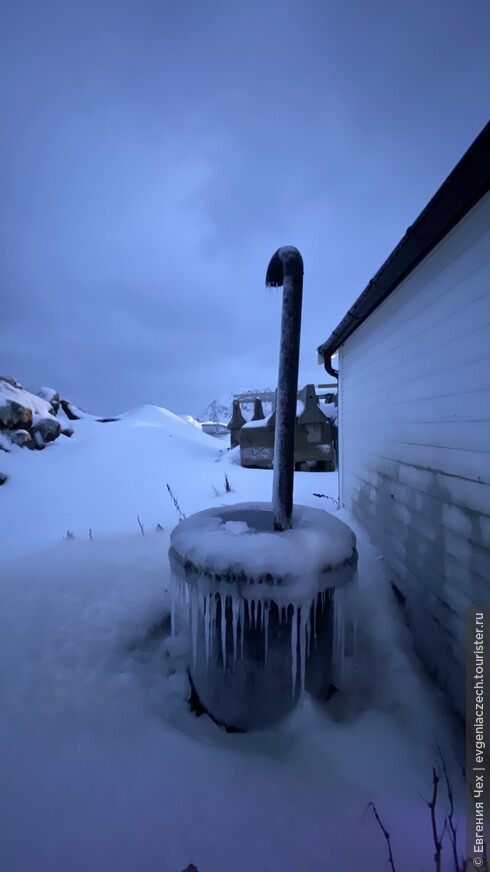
[[464, 187]]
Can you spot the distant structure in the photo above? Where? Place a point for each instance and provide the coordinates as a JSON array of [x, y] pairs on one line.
[[315, 430], [235, 424], [414, 415], [221, 409], [214, 428]]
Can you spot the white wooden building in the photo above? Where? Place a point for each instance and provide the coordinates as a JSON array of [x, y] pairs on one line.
[[414, 414]]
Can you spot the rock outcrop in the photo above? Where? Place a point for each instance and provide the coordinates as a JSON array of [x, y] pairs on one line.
[[29, 420]]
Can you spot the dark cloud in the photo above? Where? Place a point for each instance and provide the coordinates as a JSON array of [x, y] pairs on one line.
[[155, 154]]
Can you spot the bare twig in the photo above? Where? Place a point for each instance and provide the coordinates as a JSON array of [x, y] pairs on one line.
[[451, 826], [227, 484], [90, 534], [431, 804], [141, 526], [326, 497], [386, 835], [175, 502]]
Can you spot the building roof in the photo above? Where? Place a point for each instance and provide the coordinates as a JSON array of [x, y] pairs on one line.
[[464, 187]]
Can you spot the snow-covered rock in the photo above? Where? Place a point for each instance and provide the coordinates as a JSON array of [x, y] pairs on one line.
[[28, 419], [52, 397], [21, 438], [47, 429]]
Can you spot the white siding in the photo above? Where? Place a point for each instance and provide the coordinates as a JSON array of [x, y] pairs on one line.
[[414, 430]]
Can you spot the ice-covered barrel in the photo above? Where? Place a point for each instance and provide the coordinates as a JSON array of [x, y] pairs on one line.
[[266, 609]]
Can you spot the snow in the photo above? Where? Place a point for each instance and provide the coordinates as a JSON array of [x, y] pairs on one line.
[[47, 393], [190, 420], [263, 422], [102, 765], [37, 405], [217, 541], [329, 409]]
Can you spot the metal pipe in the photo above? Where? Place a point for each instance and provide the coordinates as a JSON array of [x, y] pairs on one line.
[[327, 363], [286, 269]]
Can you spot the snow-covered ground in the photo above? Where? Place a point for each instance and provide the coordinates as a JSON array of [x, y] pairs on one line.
[[103, 766]]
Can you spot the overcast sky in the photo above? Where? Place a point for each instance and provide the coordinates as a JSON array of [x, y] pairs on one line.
[[154, 155]]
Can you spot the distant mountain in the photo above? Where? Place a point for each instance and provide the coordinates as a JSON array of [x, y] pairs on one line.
[[220, 409]]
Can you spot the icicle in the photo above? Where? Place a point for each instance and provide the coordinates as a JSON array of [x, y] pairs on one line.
[[201, 599], [207, 628], [194, 623], [339, 632], [308, 626], [253, 614], [294, 650], [235, 609], [223, 629], [242, 625], [315, 615], [213, 620], [266, 631], [172, 607], [303, 623], [259, 615]]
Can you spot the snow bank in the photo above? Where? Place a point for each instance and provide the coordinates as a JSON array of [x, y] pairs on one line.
[[103, 766], [103, 478]]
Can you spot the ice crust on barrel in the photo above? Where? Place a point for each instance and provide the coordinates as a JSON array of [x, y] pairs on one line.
[[232, 579]]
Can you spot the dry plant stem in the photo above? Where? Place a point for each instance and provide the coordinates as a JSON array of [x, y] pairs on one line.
[[176, 504], [326, 497], [431, 804], [141, 526], [437, 838], [451, 827], [386, 835]]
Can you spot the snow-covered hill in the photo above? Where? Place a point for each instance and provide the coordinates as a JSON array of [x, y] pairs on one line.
[[102, 764]]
